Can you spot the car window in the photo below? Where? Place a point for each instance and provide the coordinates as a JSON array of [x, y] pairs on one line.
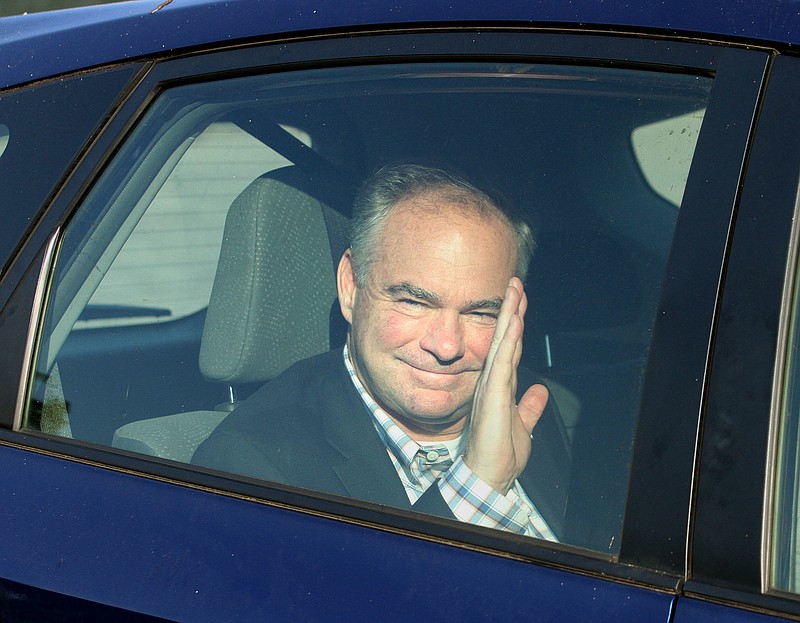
[[201, 265], [784, 549], [80, 103], [165, 269], [664, 150]]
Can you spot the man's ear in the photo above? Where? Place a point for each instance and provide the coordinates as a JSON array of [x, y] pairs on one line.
[[346, 285]]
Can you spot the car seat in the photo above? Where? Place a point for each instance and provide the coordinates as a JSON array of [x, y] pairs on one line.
[[273, 301]]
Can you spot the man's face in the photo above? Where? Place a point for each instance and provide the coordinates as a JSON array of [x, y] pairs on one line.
[[422, 323]]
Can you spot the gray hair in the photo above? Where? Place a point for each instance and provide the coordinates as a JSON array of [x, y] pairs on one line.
[[391, 185]]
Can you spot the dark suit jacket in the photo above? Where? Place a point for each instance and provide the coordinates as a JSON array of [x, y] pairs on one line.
[[310, 428]]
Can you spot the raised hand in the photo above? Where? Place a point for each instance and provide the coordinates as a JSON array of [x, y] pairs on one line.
[[499, 442]]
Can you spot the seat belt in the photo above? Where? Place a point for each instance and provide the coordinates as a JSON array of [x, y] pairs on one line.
[[319, 168]]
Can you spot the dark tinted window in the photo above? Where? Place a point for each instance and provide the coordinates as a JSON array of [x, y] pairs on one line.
[[43, 130], [153, 332]]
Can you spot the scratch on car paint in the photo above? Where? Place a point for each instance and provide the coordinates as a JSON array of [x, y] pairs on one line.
[[161, 6]]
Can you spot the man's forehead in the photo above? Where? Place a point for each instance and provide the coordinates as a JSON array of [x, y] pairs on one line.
[[418, 227], [444, 201], [419, 212]]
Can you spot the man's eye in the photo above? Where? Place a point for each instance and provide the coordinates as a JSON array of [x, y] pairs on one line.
[[411, 303], [484, 317]]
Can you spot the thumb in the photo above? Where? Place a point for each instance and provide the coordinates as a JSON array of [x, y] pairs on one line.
[[531, 406]]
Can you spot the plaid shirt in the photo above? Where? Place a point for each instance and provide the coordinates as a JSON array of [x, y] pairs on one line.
[[470, 499]]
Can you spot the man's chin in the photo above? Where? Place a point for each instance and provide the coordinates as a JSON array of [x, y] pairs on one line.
[[433, 407]]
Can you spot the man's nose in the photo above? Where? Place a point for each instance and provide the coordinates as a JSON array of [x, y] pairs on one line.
[[444, 337]]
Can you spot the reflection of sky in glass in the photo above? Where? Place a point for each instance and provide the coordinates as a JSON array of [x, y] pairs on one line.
[[4, 133]]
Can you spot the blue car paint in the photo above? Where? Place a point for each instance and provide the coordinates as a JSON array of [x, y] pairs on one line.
[[44, 44], [191, 555]]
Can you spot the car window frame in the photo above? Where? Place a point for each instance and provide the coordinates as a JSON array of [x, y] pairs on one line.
[[643, 556], [733, 566]]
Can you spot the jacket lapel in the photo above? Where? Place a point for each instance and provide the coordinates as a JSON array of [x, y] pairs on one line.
[[361, 462]]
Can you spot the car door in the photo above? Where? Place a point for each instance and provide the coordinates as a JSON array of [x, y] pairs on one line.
[[744, 547], [626, 153]]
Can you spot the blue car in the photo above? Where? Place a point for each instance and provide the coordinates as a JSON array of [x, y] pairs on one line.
[[178, 181]]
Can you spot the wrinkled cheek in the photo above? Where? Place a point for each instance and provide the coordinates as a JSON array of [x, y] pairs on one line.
[[396, 331], [479, 344]]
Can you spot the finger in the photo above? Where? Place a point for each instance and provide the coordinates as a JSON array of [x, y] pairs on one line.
[[523, 306], [502, 373], [521, 309], [518, 349], [532, 405], [508, 310], [523, 303]]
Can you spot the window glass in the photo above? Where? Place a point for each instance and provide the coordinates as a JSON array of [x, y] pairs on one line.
[[166, 267], [4, 135], [203, 265], [35, 157], [785, 546], [664, 152]]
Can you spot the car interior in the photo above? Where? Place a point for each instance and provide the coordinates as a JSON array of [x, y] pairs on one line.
[[554, 140]]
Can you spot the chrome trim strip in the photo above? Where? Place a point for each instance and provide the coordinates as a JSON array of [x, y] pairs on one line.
[[33, 328], [789, 307]]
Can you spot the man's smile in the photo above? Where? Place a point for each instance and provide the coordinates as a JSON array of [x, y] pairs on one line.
[[438, 376]]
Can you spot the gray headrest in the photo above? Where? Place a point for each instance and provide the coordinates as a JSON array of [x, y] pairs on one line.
[[274, 288]]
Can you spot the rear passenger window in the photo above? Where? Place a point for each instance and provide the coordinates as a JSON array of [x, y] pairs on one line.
[[203, 265], [664, 150], [171, 255]]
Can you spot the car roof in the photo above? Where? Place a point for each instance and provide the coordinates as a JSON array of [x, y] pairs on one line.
[[47, 44]]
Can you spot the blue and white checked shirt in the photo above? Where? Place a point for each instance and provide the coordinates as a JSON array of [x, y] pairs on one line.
[[470, 498]]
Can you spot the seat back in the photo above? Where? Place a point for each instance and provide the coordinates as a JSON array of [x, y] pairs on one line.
[[275, 283], [587, 328], [272, 304]]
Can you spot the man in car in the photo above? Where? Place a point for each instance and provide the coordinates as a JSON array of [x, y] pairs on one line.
[[420, 409]]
